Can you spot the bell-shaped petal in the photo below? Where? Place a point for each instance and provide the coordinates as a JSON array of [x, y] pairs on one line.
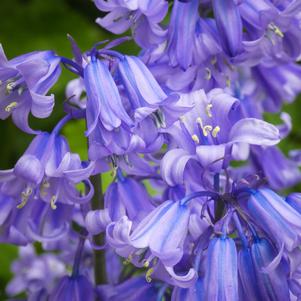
[[273, 285], [254, 131], [277, 218], [142, 89], [221, 275], [103, 100], [182, 33], [163, 231], [25, 81], [229, 25]]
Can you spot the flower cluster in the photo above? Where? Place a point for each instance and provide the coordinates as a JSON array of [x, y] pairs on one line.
[[180, 221]]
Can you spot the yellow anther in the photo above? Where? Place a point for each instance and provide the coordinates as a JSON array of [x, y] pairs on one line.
[[52, 202], [11, 106], [10, 87], [215, 131], [228, 82], [208, 109], [148, 275], [128, 260], [276, 30], [195, 138], [146, 263], [114, 171], [25, 196], [206, 129], [208, 74]]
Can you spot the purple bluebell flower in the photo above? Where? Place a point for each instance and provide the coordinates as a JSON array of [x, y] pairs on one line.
[[47, 170], [277, 218], [103, 100], [221, 275], [258, 284], [182, 33], [283, 175], [143, 17], [163, 231], [277, 84], [25, 81], [133, 197], [213, 133], [229, 25], [144, 93], [275, 26]]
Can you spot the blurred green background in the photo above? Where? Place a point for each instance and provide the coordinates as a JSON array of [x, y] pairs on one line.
[[28, 25]]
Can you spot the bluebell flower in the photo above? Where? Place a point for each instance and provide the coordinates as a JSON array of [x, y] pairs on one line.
[[24, 83], [47, 170], [277, 84], [221, 274], [213, 133], [283, 175], [143, 17], [104, 103], [275, 26], [258, 284], [163, 231], [275, 217], [144, 93], [229, 25], [182, 32]]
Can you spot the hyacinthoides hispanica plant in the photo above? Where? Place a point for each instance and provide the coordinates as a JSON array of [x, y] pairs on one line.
[[171, 120]]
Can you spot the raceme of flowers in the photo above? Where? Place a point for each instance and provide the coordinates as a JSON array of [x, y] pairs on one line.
[[180, 221]]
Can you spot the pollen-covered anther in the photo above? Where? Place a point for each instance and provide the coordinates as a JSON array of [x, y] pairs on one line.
[[276, 30], [205, 128], [215, 131], [208, 109], [146, 263], [25, 196], [148, 275], [195, 138], [10, 87], [11, 106], [128, 260], [53, 201]]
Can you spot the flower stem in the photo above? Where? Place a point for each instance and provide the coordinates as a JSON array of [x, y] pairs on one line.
[[97, 203]]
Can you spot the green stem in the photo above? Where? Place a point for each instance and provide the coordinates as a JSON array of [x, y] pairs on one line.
[[97, 203]]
